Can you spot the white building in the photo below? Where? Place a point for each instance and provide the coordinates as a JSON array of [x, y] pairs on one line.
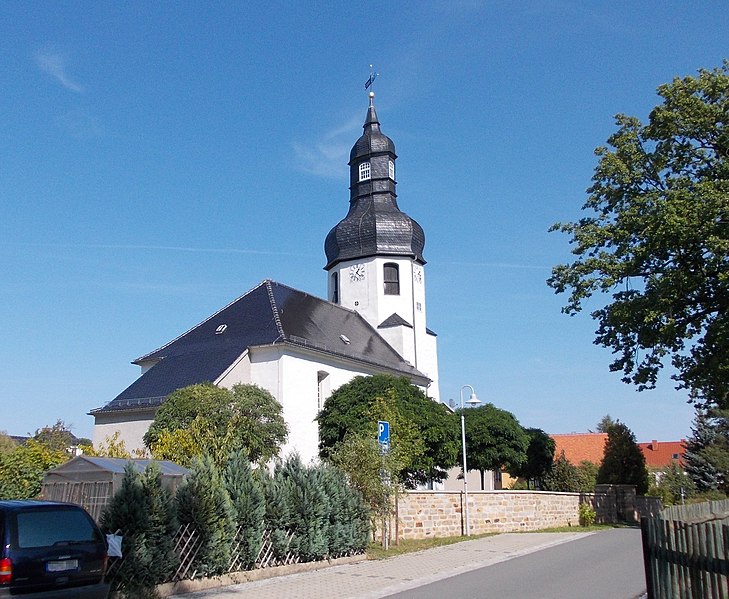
[[299, 347]]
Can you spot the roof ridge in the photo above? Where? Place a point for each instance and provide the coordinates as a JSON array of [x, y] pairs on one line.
[[274, 309], [161, 347]]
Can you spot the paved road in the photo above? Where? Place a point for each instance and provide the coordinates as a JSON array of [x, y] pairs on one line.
[[607, 565], [374, 579]]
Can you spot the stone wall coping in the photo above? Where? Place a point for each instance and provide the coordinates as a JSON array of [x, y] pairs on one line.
[[499, 492]]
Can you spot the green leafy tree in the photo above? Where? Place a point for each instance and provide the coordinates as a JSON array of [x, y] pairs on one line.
[[207, 419], [623, 462], [58, 437], [587, 474], [350, 411], [672, 485], [22, 469], [657, 239], [249, 505], [111, 447], [203, 501], [494, 439], [7, 444], [360, 458], [563, 476], [539, 457]]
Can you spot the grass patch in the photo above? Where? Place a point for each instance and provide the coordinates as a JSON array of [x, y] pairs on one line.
[[376, 551], [592, 528]]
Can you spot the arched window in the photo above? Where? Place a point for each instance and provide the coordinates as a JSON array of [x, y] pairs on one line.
[[364, 171], [335, 287], [392, 279]]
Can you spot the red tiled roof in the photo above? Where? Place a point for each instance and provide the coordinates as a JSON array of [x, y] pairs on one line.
[[578, 447], [659, 454]]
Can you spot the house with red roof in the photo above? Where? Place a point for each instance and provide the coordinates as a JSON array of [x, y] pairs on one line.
[[578, 447], [661, 454]]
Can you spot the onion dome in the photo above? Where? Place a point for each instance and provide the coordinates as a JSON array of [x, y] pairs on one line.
[[374, 224]]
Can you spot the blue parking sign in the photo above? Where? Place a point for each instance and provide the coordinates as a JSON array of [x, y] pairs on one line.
[[383, 432]]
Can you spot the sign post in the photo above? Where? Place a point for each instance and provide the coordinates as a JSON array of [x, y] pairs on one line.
[[383, 438]]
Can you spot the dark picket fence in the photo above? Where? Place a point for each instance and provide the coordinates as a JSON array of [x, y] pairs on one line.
[[686, 551]]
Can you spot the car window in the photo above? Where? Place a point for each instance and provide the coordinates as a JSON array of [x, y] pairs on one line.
[[43, 528]]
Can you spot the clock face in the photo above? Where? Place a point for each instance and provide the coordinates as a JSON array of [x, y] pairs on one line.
[[357, 272]]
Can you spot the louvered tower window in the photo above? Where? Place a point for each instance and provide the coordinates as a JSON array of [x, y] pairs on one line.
[[392, 279]]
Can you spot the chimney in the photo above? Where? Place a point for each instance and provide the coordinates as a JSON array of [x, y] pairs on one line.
[[654, 445]]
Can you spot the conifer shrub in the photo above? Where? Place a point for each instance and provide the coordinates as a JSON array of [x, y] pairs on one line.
[[129, 513], [277, 520], [348, 515], [307, 508], [161, 525], [203, 501], [249, 506]]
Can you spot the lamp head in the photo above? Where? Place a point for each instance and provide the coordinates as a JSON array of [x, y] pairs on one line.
[[473, 400]]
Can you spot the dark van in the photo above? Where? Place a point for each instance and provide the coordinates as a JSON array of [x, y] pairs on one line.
[[50, 550]]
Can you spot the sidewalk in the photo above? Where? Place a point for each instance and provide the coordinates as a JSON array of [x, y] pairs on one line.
[[374, 579]]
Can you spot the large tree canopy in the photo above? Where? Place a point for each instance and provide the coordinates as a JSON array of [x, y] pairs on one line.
[[208, 419], [539, 457], [657, 239], [350, 411], [494, 439]]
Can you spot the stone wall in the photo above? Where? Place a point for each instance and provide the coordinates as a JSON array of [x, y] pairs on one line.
[[423, 514]]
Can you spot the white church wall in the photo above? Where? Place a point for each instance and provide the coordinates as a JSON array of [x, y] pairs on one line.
[[130, 426]]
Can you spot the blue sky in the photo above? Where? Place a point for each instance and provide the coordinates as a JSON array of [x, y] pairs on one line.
[[157, 160]]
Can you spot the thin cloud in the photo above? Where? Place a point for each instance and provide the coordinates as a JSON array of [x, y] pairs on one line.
[[328, 156], [170, 248], [54, 64]]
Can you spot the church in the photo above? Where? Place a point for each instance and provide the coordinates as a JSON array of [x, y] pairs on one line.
[[299, 347]]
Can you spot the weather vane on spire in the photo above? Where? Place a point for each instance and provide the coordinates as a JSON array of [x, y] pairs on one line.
[[372, 78]]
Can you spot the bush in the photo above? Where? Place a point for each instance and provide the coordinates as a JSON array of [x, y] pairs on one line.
[[203, 501], [587, 514], [249, 506], [141, 511]]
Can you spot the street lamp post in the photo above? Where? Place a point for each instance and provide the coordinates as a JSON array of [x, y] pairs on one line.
[[472, 401]]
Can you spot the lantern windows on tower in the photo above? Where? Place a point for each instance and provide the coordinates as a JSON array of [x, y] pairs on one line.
[[392, 279], [364, 171], [392, 169]]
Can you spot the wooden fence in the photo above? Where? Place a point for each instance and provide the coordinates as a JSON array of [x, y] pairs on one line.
[[187, 544], [686, 552]]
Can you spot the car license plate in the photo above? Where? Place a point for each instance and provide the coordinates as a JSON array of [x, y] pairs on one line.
[[62, 565]]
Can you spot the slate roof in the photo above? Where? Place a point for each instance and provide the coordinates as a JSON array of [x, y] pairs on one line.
[[269, 314], [374, 225], [394, 320]]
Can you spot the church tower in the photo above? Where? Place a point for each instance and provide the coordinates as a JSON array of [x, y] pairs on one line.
[[375, 254]]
